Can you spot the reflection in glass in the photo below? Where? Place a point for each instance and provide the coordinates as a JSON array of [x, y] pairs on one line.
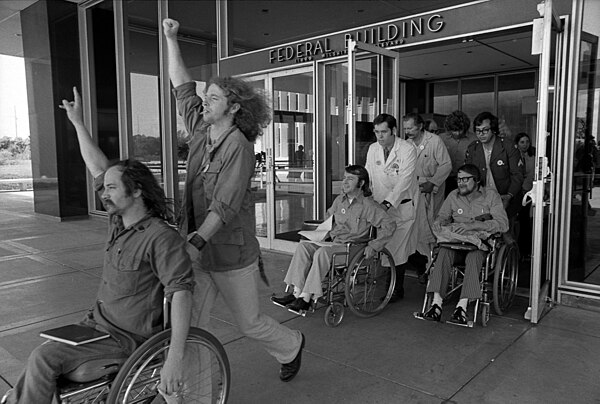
[[477, 96], [198, 44], [293, 153], [517, 103], [444, 95], [104, 76], [584, 259]]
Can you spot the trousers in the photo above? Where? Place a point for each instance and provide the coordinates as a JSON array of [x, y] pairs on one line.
[[440, 273], [239, 289], [37, 382], [309, 266]]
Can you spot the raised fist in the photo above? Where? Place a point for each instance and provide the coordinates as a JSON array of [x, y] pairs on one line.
[[170, 27]]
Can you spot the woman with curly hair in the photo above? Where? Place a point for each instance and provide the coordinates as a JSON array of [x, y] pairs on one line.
[[218, 211]]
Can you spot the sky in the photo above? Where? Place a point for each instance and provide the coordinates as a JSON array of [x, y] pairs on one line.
[[14, 117]]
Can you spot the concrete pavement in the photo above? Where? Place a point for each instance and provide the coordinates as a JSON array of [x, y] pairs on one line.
[[50, 270]]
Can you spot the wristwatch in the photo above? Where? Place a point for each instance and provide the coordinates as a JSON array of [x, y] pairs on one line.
[[197, 241], [386, 204]]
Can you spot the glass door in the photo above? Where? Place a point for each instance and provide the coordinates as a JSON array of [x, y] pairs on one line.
[[548, 32], [283, 184], [292, 155], [353, 93]]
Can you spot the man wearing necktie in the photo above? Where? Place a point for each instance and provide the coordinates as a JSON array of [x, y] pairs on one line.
[[391, 163]]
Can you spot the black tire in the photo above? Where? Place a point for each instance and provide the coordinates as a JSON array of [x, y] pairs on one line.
[[334, 314], [485, 314], [506, 275], [370, 283], [139, 378]]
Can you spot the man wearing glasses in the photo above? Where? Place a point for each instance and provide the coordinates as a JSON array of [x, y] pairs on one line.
[[500, 164], [468, 210]]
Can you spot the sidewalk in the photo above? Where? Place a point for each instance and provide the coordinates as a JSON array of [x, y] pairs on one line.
[[50, 271]]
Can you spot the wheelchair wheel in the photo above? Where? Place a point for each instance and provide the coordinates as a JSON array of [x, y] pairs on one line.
[[485, 314], [506, 273], [334, 314], [206, 371], [370, 283]]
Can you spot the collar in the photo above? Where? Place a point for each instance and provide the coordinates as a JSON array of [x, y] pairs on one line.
[[139, 226], [358, 198]]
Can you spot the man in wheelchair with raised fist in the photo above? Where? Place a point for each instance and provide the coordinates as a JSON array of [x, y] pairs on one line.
[[354, 212], [470, 212]]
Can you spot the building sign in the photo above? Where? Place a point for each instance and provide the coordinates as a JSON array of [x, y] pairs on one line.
[[387, 35]]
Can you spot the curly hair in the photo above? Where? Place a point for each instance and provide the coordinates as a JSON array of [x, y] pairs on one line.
[[254, 113], [457, 121], [136, 175]]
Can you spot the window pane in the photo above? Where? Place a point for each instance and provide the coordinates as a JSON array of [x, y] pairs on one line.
[[198, 44], [477, 96], [517, 103], [146, 141], [445, 97]]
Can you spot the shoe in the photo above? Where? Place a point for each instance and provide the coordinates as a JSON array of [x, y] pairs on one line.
[[434, 313], [397, 294], [459, 316], [283, 300], [289, 370], [4, 399], [298, 305]]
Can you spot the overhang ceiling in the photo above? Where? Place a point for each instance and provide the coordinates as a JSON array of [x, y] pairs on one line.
[[285, 21]]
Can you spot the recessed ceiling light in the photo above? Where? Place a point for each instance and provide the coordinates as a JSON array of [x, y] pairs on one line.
[[502, 64], [469, 51], [265, 10], [360, 11], [266, 34], [444, 64]]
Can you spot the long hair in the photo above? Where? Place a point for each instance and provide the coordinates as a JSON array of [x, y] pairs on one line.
[[531, 149], [254, 113], [363, 175], [136, 175]]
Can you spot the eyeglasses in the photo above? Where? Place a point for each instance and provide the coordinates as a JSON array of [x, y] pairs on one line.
[[483, 131], [463, 179]]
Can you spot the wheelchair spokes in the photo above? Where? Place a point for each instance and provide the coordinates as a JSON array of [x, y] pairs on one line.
[[370, 283]]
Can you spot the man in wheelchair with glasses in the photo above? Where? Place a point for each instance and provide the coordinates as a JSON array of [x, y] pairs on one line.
[[144, 260], [473, 213], [354, 212]]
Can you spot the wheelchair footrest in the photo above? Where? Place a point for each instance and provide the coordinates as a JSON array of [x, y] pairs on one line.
[[278, 304], [418, 315], [469, 323]]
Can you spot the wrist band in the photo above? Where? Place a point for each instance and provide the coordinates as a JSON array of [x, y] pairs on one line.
[[197, 241]]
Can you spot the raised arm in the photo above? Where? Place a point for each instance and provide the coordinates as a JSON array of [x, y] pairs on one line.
[[94, 158], [178, 73]]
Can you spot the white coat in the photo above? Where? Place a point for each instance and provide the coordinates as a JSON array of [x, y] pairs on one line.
[[395, 181], [433, 165]]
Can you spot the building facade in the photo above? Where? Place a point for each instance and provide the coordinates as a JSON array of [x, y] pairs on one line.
[[329, 67]]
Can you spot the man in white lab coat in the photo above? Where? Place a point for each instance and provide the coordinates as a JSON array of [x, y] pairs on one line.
[[391, 163]]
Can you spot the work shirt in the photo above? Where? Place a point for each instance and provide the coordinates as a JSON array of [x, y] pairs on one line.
[[457, 148], [218, 180], [142, 264], [464, 209], [353, 220]]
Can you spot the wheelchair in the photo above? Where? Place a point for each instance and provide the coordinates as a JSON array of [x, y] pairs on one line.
[[363, 285], [136, 379], [498, 278]]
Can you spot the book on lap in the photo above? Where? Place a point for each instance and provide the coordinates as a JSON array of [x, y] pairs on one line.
[[74, 334]]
